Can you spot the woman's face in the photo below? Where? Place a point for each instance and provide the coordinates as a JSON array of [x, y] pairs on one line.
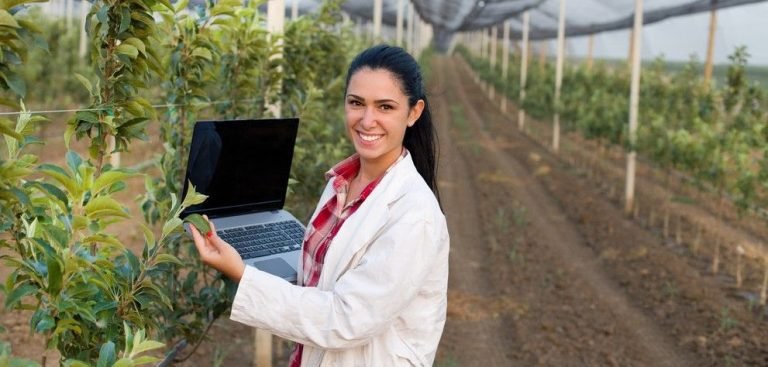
[[377, 115]]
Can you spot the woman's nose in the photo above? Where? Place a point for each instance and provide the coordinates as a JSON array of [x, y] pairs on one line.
[[369, 118]]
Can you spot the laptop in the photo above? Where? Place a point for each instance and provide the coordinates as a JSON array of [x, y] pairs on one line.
[[243, 166]]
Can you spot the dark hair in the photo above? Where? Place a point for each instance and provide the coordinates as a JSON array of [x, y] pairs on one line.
[[420, 139]]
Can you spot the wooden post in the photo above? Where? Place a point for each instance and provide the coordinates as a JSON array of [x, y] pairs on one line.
[[559, 76], [483, 40], [634, 99], [590, 50], [523, 71], [739, 255], [84, 7], [399, 24], [409, 30], [493, 56], [275, 27], [632, 45], [505, 64], [764, 288], [494, 37], [377, 9], [710, 44], [418, 35]]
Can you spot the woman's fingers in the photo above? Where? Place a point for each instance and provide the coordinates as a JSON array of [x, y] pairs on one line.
[[217, 253], [210, 223]]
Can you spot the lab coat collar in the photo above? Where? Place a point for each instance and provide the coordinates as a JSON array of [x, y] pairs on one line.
[[360, 228]]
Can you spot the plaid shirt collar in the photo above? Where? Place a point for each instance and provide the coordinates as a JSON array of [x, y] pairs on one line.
[[345, 171]]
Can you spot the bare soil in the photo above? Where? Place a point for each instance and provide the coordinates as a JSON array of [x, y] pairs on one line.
[[546, 270], [579, 283]]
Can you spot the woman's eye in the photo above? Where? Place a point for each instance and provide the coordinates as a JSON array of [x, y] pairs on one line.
[[354, 102], [386, 107]]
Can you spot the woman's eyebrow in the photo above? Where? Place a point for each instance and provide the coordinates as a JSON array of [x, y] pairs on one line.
[[379, 101]]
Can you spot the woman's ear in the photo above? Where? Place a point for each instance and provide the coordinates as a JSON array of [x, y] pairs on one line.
[[415, 112]]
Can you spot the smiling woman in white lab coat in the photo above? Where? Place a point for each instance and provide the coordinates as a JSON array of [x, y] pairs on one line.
[[373, 277]]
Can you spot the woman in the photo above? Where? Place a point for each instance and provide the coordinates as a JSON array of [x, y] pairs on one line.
[[372, 284]]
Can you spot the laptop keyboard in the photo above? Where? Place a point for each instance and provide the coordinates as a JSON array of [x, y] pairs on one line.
[[264, 239]]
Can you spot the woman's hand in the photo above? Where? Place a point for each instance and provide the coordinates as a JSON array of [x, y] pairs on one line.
[[218, 254]]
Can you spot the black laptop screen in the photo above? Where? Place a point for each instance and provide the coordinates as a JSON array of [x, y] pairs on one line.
[[242, 165]]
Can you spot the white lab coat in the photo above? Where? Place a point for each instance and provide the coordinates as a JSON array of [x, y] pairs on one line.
[[382, 296]]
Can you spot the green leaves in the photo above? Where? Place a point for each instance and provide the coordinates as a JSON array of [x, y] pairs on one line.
[[90, 293], [7, 20], [104, 207], [199, 222], [15, 294]]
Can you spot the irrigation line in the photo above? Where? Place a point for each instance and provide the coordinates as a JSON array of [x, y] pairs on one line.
[[169, 105]]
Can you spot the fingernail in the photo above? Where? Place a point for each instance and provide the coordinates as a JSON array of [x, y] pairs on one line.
[[209, 234]]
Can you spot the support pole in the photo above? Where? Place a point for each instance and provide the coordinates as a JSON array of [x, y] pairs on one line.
[[559, 77], [84, 7], [399, 24], [505, 64], [523, 71], [710, 44], [377, 8], [409, 31], [416, 35], [631, 55], [590, 51], [494, 38], [294, 9], [493, 57], [275, 27], [634, 99]]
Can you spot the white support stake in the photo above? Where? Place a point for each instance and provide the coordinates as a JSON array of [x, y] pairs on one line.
[[409, 30], [377, 9], [494, 38], [294, 9], [590, 51], [559, 76], [710, 46], [523, 71], [634, 100], [83, 49], [275, 27], [505, 63], [399, 24]]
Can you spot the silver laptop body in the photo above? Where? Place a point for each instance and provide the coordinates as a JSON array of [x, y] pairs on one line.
[[243, 166]]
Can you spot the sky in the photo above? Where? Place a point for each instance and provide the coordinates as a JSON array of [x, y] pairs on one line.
[[678, 38]]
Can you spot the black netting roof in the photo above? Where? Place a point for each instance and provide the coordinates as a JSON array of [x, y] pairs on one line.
[[583, 17]]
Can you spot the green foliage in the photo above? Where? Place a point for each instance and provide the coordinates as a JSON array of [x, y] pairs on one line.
[[90, 295], [718, 136], [18, 34], [124, 58], [55, 83], [316, 55]]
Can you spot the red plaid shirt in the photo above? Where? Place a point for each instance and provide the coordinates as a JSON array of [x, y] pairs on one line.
[[328, 222]]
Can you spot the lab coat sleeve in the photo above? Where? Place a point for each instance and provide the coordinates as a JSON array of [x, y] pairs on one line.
[[364, 301]]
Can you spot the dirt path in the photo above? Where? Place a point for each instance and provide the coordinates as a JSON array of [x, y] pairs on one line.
[[470, 281], [594, 322]]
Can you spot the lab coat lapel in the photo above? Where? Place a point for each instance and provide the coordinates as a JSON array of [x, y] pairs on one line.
[[360, 228]]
